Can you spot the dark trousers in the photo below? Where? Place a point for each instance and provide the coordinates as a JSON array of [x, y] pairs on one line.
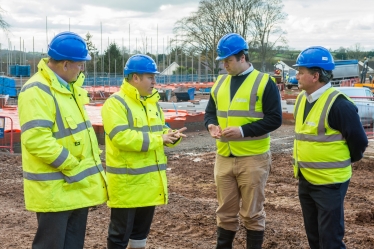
[[323, 213], [61, 230], [128, 223]]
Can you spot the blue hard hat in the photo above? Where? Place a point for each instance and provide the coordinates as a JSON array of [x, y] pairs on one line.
[[315, 56], [230, 44], [68, 46], [140, 63]]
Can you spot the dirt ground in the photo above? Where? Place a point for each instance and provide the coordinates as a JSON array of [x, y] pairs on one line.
[[188, 221]]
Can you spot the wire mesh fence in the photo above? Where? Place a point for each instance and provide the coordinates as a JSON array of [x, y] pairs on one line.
[[103, 79]]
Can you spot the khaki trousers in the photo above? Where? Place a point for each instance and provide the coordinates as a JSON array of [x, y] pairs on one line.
[[241, 179]]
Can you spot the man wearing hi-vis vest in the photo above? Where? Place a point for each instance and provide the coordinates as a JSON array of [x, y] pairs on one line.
[[329, 137], [244, 107], [62, 170], [135, 161]]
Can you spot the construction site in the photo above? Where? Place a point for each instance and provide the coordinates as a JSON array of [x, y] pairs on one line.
[[189, 220]]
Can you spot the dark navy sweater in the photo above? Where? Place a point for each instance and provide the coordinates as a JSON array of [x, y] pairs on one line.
[[271, 107], [344, 117]]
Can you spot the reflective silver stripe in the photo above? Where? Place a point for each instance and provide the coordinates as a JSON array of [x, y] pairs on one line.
[[61, 158], [146, 141], [139, 171], [36, 123], [222, 114], [155, 128], [41, 86], [120, 128], [131, 122], [252, 105], [244, 114], [215, 92], [47, 90], [321, 124], [129, 113], [319, 138], [141, 129], [324, 165], [65, 132], [225, 139], [85, 173], [297, 106], [59, 176], [159, 108], [116, 130], [43, 176]]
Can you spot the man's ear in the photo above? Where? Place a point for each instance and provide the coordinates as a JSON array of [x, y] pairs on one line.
[[65, 66], [316, 76]]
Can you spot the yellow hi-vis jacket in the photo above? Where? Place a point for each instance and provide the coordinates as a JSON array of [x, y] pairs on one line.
[[135, 158], [320, 152], [245, 107], [60, 155]]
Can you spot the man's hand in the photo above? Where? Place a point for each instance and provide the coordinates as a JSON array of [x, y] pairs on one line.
[[173, 136], [232, 132], [215, 131]]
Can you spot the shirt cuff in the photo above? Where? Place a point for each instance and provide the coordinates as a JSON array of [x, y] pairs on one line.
[[241, 131]]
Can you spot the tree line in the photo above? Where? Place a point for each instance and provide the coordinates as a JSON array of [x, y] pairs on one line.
[[196, 36]]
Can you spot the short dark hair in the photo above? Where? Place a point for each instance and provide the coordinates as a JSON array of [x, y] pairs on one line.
[[240, 54], [53, 61], [324, 75], [131, 75]]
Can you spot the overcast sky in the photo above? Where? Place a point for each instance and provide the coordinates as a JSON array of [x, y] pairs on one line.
[[329, 23]]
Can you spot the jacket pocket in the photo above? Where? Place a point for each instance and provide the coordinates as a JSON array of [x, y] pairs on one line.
[[75, 178], [77, 142]]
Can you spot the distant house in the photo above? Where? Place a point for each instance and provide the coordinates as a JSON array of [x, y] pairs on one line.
[[170, 69]]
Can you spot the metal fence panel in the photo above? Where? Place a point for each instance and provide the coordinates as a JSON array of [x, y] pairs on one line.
[[116, 80]]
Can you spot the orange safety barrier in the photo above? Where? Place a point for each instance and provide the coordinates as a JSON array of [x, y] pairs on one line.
[[7, 140]]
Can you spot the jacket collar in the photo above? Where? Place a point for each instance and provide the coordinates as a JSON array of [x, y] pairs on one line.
[[48, 74], [132, 92]]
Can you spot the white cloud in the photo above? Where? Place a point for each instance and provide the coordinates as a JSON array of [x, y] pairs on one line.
[[329, 23]]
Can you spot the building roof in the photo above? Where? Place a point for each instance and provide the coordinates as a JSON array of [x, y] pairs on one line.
[[169, 70]]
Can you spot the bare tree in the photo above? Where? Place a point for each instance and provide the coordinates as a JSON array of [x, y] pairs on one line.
[[266, 30], [3, 24], [93, 52], [213, 19], [355, 52]]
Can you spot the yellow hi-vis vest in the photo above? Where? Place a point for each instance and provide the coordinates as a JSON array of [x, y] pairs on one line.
[[320, 152], [60, 155], [245, 107], [135, 158]]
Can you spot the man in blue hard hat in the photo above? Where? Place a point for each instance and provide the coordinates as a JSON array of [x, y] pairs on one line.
[[244, 107], [328, 138], [62, 170], [136, 133]]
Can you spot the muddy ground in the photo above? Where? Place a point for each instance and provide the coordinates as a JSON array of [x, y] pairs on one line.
[[188, 221]]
